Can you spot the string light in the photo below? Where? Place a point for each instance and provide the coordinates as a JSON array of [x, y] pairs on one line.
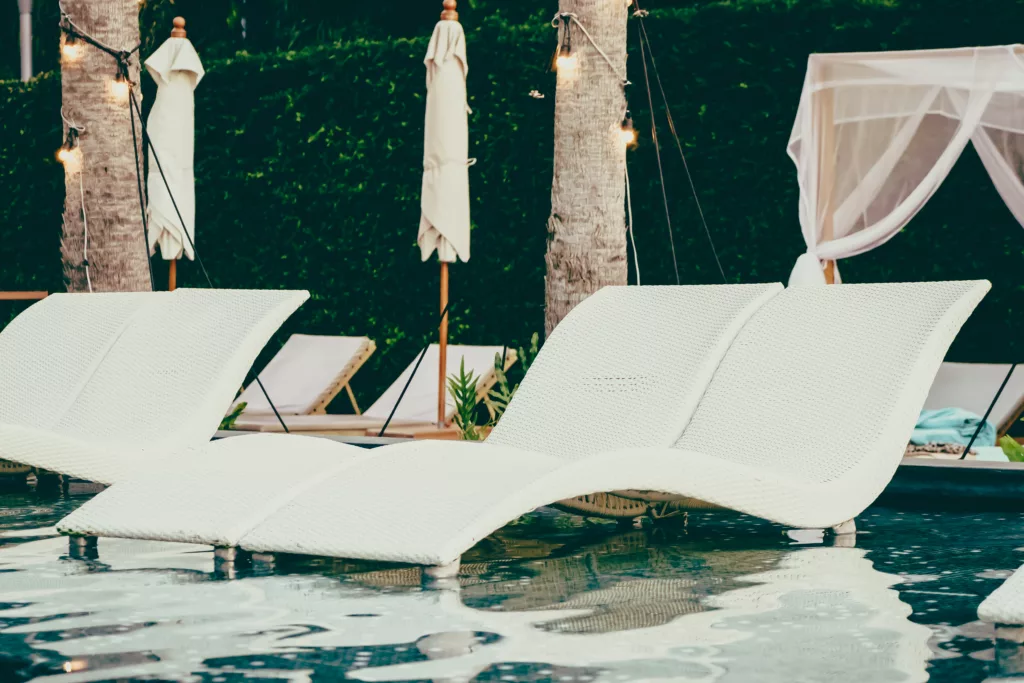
[[120, 87], [69, 153], [568, 64], [72, 48], [566, 61], [627, 133]]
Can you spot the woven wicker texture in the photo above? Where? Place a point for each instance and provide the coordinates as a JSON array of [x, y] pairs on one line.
[[626, 368], [222, 490], [153, 371], [1006, 604], [822, 378], [176, 368], [364, 512], [89, 460], [50, 350], [791, 375]]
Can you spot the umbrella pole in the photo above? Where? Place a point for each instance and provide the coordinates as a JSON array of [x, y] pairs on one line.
[[443, 351], [172, 268]]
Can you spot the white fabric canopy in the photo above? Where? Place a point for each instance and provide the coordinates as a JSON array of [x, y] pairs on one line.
[[877, 133], [176, 68], [444, 221]]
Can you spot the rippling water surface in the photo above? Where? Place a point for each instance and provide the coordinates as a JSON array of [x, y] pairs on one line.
[[712, 597]]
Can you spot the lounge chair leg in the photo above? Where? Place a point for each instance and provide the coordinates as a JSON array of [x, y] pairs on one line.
[[226, 560], [265, 560], [846, 528], [1011, 633], [225, 570], [83, 547], [352, 399], [443, 571], [228, 554], [49, 484]]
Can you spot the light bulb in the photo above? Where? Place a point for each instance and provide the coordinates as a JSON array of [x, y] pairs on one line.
[[627, 133], [567, 63], [120, 88], [72, 48], [71, 158]]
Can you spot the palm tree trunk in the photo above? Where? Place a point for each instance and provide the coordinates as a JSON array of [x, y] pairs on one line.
[[117, 253], [587, 227]]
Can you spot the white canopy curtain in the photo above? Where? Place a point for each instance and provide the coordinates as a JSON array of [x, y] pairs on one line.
[[877, 133]]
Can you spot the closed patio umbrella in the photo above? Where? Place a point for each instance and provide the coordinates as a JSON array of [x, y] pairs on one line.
[[444, 204], [177, 70]]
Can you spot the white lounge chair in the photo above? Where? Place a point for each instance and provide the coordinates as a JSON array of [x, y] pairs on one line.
[[792, 405], [417, 408], [972, 386], [98, 379], [306, 375], [1005, 608]]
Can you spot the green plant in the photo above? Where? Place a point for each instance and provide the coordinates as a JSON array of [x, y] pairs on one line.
[[498, 398], [1013, 450], [229, 420], [463, 390]]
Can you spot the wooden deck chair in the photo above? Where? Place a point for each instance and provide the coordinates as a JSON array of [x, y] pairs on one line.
[[307, 374], [418, 407], [972, 386]]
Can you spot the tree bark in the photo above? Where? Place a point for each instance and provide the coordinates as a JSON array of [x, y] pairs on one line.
[[587, 227], [117, 252]]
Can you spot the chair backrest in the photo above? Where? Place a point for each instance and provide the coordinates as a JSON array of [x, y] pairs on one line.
[[306, 374], [420, 401], [50, 350], [626, 368], [155, 369], [825, 380], [972, 386]]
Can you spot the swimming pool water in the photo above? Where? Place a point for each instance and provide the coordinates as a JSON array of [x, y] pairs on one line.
[[709, 597]]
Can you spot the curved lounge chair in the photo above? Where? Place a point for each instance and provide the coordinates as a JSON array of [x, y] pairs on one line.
[[1005, 608], [793, 406], [93, 381]]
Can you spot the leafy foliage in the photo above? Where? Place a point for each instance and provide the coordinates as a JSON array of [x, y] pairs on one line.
[[463, 390], [309, 165], [1013, 450], [500, 396], [229, 420]]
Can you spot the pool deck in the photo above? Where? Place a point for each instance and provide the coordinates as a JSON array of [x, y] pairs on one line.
[[998, 485]]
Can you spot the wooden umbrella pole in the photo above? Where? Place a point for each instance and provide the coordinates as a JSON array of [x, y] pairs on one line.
[[178, 31], [442, 361]]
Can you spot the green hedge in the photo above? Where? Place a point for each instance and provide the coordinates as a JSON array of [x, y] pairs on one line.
[[308, 173]]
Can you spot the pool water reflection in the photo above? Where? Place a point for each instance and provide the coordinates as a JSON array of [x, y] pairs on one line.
[[713, 597]]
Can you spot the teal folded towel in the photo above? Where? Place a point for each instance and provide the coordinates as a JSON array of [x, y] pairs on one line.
[[951, 425]]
